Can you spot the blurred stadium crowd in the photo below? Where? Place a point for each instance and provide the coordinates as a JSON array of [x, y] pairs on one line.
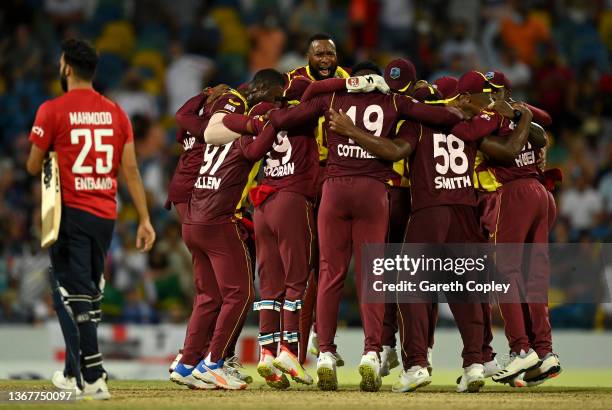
[[157, 53]]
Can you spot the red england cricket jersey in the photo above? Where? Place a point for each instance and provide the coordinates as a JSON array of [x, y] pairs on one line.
[[441, 167], [375, 113], [88, 131]]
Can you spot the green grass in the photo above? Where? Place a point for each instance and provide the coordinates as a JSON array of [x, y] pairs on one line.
[[572, 389]]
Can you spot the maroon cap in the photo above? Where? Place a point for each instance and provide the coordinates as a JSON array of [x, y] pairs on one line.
[[296, 87], [473, 82], [498, 80], [447, 87], [399, 74], [427, 93]]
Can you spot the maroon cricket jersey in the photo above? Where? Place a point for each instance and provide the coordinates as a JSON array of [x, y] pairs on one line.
[[223, 178], [190, 136], [293, 162], [524, 164], [441, 167], [375, 113]]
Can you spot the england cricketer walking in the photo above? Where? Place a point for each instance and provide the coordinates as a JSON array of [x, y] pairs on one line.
[[92, 137]]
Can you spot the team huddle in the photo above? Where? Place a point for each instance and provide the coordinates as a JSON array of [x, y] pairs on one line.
[[290, 176], [347, 161]]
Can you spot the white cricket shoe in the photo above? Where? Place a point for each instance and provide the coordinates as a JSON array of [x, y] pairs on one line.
[[518, 363], [273, 377], [289, 364], [411, 379], [388, 360], [232, 366], [176, 361], [183, 376], [550, 368], [215, 373], [62, 382], [97, 390], [339, 359], [369, 369], [326, 371], [313, 343], [472, 379], [491, 367]]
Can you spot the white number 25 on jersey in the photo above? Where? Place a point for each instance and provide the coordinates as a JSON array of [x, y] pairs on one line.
[[102, 166]]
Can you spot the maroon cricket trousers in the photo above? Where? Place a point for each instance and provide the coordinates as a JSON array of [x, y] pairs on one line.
[[523, 217], [441, 224], [284, 235], [354, 211], [224, 289]]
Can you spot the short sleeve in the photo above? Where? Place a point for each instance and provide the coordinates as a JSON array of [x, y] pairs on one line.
[[228, 103], [126, 126], [43, 130], [480, 126]]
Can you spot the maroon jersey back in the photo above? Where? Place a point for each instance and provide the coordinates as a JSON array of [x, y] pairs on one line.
[[220, 183], [190, 161], [441, 167], [293, 162], [375, 113], [525, 163], [88, 132]]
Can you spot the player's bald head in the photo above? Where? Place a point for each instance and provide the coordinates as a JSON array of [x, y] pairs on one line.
[[322, 56]]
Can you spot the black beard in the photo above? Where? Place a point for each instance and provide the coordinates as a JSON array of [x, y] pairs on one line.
[[317, 76], [64, 81]]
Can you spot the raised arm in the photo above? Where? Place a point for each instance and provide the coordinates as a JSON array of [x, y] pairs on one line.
[[391, 150], [504, 149], [187, 116]]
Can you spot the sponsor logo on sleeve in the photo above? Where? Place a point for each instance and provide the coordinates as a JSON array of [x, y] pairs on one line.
[[230, 107], [38, 131], [353, 81]]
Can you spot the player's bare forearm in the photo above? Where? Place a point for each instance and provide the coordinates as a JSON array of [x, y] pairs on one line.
[[537, 135], [505, 148], [391, 150], [129, 169], [35, 160]]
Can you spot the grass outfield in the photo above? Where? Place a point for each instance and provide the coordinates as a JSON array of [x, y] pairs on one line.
[[571, 390]]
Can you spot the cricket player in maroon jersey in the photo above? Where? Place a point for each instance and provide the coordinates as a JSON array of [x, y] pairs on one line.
[[352, 174], [521, 176], [191, 136], [213, 235], [519, 191], [442, 213], [447, 86], [93, 139], [322, 64], [285, 235]]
